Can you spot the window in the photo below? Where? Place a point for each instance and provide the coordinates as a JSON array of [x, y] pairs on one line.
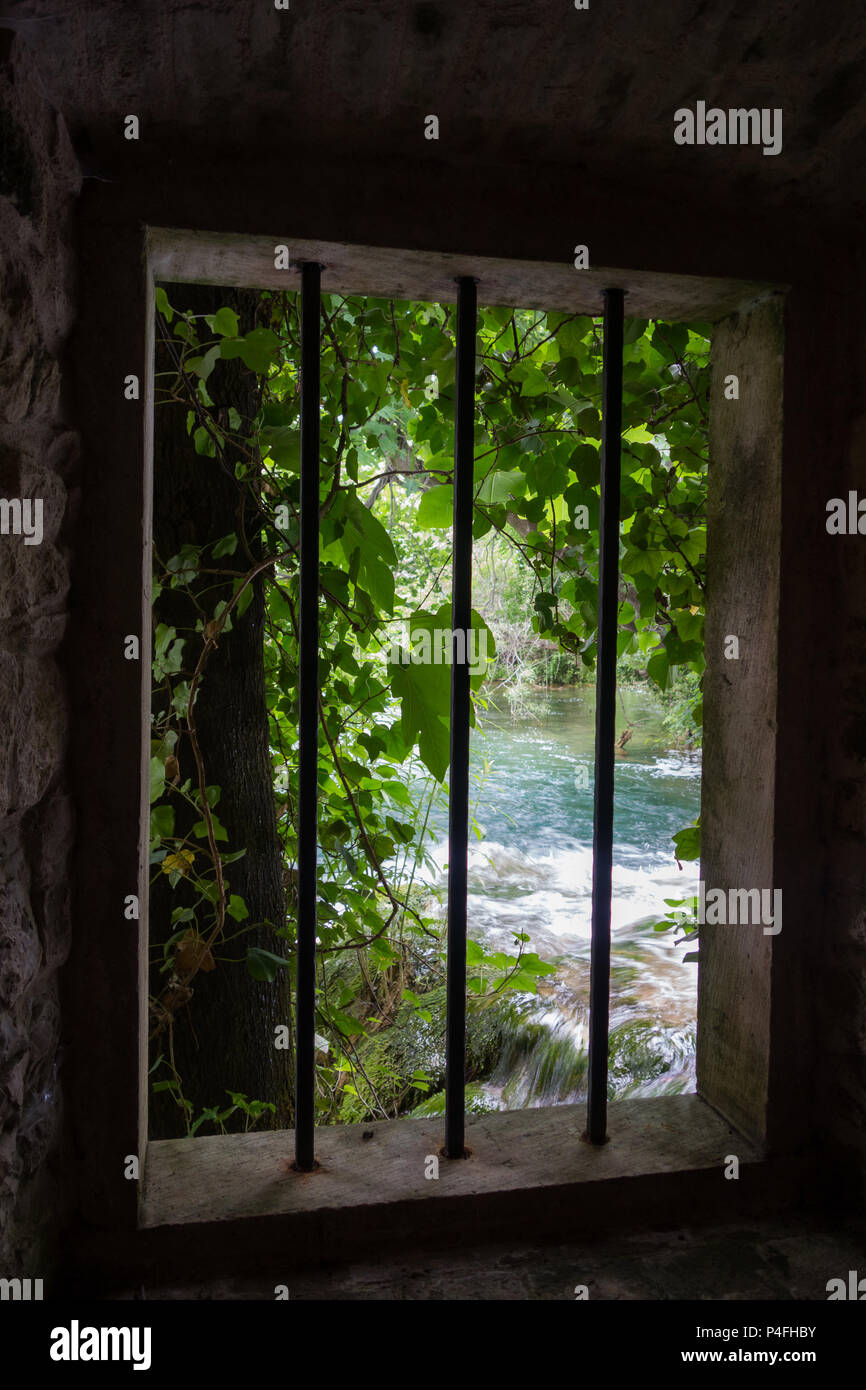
[[185, 256]]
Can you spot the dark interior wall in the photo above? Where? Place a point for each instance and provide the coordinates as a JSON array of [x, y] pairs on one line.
[[38, 183], [487, 188], [517, 85], [822, 720]]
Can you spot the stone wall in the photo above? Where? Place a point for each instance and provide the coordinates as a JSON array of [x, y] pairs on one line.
[[221, 109], [39, 180]]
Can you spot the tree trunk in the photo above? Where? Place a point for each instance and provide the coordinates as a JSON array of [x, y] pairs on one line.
[[223, 1039]]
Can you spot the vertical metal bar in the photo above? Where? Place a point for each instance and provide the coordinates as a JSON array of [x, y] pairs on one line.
[[458, 799], [605, 715], [305, 1011]]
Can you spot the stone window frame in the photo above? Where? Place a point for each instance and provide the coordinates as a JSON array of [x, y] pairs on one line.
[[238, 1191]]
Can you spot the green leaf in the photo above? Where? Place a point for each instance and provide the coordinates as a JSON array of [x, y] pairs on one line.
[[283, 442], [226, 546], [255, 350], [180, 699], [570, 336], [225, 322], [245, 599], [163, 305], [366, 543], [687, 843], [534, 382], [219, 831], [658, 669], [378, 580], [184, 565], [203, 366], [424, 693], [263, 965], [161, 823], [496, 487], [634, 329], [204, 442], [584, 461], [436, 508], [157, 778]]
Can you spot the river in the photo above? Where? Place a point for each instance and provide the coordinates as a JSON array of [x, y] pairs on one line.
[[532, 872]]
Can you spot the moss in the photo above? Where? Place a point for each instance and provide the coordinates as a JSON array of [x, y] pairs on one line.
[[640, 1051], [477, 1102], [494, 1028], [540, 1063]]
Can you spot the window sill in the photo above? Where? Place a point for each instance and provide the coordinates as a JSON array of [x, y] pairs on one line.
[[528, 1171]]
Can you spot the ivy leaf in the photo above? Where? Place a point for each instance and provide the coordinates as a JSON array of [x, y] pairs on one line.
[[263, 965]]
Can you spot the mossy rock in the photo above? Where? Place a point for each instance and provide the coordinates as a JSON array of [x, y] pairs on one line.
[[477, 1102], [640, 1051], [411, 1044]]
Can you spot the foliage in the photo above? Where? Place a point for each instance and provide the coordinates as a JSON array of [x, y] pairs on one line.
[[387, 403], [682, 913]]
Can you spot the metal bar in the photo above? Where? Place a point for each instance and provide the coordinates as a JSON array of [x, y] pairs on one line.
[[305, 1010], [605, 716], [458, 798]]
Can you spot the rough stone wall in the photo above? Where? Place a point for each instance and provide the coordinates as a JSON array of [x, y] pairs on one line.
[[39, 179]]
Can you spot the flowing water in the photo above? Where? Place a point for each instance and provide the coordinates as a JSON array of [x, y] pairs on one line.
[[532, 872]]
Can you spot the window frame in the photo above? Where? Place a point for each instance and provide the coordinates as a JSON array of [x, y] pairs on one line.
[[108, 987]]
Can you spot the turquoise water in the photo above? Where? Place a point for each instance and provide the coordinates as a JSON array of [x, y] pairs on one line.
[[532, 872]]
